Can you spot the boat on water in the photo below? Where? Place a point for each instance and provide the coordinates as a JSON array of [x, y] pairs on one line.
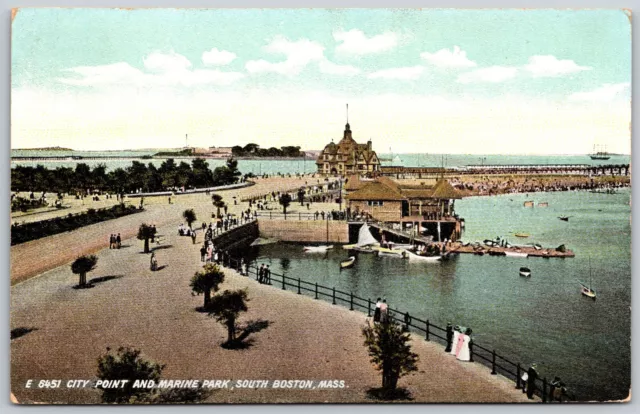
[[599, 154], [543, 204], [419, 258], [525, 271], [386, 252], [346, 264], [587, 290], [317, 249], [515, 254], [564, 218], [366, 241], [528, 203], [491, 243], [523, 235]]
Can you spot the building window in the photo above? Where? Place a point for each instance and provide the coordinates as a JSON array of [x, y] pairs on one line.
[[375, 203]]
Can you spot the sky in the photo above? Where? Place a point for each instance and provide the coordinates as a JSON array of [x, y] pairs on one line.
[[416, 81]]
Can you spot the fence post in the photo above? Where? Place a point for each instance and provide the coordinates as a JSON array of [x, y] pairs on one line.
[[518, 375], [368, 307], [298, 286], [493, 362], [427, 334], [334, 295], [283, 285], [544, 390], [316, 290], [350, 300]]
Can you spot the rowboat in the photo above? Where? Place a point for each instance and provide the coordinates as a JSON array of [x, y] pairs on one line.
[[515, 254], [383, 251], [528, 203], [317, 249], [521, 234], [345, 264], [418, 258], [543, 204], [525, 271]]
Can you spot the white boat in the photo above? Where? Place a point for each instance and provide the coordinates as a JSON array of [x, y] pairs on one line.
[[383, 251], [587, 290], [346, 264], [525, 271], [317, 249], [417, 258], [515, 254], [366, 241]]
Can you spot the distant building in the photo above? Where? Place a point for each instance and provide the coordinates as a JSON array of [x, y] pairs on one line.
[[212, 151], [348, 157]]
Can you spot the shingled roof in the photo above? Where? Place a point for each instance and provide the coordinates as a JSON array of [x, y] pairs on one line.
[[444, 190], [383, 188], [378, 190]]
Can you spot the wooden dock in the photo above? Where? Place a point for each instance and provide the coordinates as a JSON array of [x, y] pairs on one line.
[[501, 251]]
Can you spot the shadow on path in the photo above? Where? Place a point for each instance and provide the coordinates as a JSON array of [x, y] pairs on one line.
[[21, 331], [104, 279], [241, 342], [380, 394]]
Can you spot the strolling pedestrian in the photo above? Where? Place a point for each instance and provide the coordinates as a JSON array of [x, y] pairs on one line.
[[203, 252], [267, 275], [532, 375], [376, 311], [449, 337], [118, 241], [261, 273], [384, 312], [111, 241], [193, 236], [153, 265]]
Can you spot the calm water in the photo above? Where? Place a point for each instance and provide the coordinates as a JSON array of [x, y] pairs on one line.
[[298, 166], [543, 319]]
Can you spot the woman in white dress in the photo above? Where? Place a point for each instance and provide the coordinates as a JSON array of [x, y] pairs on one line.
[[454, 343], [463, 352]]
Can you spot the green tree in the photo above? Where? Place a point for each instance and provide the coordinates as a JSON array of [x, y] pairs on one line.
[[127, 364], [251, 148], [201, 174], [145, 232], [217, 203], [285, 200], [226, 307], [390, 351], [189, 216], [206, 280], [83, 265]]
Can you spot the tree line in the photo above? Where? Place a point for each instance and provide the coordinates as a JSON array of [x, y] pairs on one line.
[[148, 178], [254, 150]]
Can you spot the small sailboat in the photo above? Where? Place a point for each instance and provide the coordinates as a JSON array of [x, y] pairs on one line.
[[366, 241], [346, 264], [525, 271], [587, 290]]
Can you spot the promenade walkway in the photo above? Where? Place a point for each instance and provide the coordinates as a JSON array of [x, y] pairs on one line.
[[154, 311]]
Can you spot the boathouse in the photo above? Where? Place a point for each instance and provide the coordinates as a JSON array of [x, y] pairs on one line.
[[429, 208]]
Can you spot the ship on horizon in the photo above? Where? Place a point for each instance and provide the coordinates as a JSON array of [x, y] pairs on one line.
[[600, 154]]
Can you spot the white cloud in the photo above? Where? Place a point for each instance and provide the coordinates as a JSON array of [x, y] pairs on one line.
[[335, 69], [164, 70], [445, 58], [606, 93], [550, 66], [216, 57], [406, 73], [355, 42], [298, 53], [166, 62], [492, 74]]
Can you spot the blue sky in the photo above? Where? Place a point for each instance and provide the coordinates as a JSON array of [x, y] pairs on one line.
[[477, 81]]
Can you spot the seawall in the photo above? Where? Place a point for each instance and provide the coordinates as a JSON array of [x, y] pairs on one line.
[[305, 231], [237, 236]]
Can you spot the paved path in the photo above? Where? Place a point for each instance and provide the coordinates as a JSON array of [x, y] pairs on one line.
[[154, 311]]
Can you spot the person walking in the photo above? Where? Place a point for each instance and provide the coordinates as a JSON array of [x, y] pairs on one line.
[[449, 337], [203, 252], [153, 265], [532, 375], [376, 311], [384, 312], [261, 274], [193, 236], [118, 241], [267, 275], [111, 241]]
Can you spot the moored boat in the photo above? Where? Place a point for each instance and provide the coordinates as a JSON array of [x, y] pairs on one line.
[[383, 251], [419, 258], [528, 203], [525, 271], [317, 249], [346, 264], [523, 235], [515, 254]]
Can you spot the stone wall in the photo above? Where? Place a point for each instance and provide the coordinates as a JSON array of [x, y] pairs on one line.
[[388, 211], [305, 231], [237, 236]]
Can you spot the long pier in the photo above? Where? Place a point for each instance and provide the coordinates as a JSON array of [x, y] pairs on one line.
[[533, 169]]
